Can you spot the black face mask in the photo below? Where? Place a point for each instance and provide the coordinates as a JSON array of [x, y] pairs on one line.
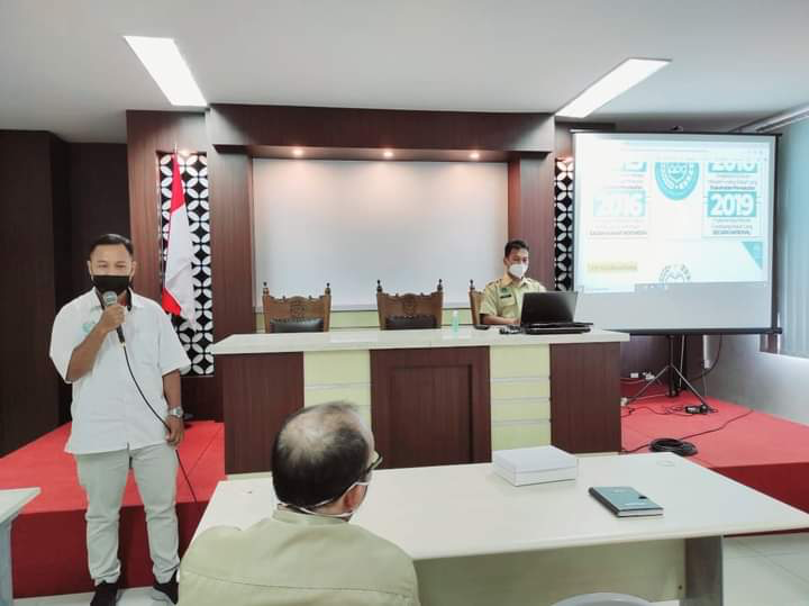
[[116, 284]]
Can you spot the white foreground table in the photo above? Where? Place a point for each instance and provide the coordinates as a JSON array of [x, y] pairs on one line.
[[476, 539], [11, 502]]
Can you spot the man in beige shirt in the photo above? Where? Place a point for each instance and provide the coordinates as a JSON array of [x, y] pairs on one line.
[[307, 553], [502, 302]]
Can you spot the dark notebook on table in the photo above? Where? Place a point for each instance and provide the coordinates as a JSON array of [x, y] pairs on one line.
[[625, 501]]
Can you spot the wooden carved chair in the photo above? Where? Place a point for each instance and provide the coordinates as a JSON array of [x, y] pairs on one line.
[[296, 314], [397, 312]]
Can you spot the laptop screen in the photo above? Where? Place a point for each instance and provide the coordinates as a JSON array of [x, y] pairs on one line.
[[544, 307]]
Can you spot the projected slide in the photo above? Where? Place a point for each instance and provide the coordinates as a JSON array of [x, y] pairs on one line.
[[654, 212], [673, 231]]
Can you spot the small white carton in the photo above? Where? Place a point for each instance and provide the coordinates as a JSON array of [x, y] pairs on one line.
[[535, 465]]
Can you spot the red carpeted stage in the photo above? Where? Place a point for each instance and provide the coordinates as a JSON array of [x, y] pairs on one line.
[[48, 540], [759, 450]]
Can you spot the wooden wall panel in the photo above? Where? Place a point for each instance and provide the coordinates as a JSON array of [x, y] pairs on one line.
[[585, 415], [262, 390], [431, 406], [32, 278], [200, 397], [99, 201], [61, 217], [231, 201], [531, 212], [64, 291], [268, 125]]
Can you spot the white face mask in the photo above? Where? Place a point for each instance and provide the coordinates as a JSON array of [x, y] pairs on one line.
[[518, 270]]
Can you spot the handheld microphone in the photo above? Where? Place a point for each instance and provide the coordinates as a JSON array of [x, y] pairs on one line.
[[110, 298]]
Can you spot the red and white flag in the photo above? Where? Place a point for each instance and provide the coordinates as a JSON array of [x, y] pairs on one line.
[[178, 287]]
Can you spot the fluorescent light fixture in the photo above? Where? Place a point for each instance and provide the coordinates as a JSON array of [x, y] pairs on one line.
[[610, 86], [162, 59]]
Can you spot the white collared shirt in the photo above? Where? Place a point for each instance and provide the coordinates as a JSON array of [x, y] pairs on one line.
[[108, 412]]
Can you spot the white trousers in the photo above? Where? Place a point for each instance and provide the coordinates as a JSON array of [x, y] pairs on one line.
[[103, 477]]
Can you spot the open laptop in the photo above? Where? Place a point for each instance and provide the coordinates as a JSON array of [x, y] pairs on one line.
[[551, 313]]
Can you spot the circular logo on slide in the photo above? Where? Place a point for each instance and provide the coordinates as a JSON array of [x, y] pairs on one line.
[[677, 180], [675, 273]]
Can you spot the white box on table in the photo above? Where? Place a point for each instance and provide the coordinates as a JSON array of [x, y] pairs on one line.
[[535, 465]]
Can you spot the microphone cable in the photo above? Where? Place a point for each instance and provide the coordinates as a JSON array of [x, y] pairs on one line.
[[166, 425]]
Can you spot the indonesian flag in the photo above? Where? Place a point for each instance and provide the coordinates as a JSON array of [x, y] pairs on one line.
[[178, 288]]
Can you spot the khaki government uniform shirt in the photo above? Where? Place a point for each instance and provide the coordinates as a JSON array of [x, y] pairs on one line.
[[504, 297]]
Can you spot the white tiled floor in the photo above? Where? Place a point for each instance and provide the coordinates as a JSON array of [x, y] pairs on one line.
[[758, 571]]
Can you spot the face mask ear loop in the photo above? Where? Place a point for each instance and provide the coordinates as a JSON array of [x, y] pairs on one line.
[[345, 515]]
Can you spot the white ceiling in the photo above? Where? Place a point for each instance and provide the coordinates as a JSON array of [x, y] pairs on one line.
[[65, 68]]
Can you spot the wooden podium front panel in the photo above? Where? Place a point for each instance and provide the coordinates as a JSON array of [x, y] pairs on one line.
[[258, 392], [585, 394], [431, 406]]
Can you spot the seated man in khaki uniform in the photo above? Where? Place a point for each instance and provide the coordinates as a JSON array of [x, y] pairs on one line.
[[503, 298], [307, 552]]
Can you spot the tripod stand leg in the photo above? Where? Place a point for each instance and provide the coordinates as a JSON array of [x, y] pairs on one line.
[[691, 388], [648, 385], [673, 388]]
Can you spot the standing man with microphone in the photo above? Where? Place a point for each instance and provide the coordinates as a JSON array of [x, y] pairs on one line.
[[95, 338]]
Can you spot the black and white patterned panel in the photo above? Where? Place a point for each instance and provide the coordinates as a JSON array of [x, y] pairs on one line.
[[564, 223], [194, 172]]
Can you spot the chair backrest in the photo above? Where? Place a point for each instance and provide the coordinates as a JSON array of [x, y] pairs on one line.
[[410, 310], [296, 313], [476, 296]]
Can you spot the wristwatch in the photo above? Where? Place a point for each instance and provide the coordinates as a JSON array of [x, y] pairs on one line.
[[177, 411]]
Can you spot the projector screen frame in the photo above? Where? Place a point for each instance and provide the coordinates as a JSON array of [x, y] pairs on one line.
[[774, 329]]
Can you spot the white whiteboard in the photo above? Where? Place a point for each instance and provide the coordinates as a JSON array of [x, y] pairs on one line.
[[350, 223]]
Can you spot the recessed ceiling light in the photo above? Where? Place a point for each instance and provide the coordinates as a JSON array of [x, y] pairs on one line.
[[474, 155], [162, 59], [388, 154], [298, 152], [610, 86]]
